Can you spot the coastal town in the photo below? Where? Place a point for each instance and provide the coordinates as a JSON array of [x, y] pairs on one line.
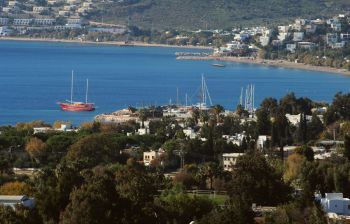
[[275, 158], [313, 44]]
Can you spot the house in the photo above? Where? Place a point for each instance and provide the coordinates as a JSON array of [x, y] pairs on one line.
[[69, 7], [283, 29], [40, 9], [4, 21], [62, 128], [75, 20], [63, 13], [264, 40], [229, 160], [338, 44], [343, 36], [13, 3], [73, 2], [301, 22], [235, 139], [14, 200], [306, 45], [336, 26], [336, 203], [310, 28], [291, 47], [87, 4], [295, 119], [44, 21], [73, 26], [331, 38], [150, 156], [298, 36], [5, 31], [283, 35], [22, 22]]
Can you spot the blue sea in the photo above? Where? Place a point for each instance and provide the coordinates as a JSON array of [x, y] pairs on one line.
[[34, 76]]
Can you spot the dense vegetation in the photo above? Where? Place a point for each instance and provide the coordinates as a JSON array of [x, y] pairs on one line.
[[88, 177], [191, 14]]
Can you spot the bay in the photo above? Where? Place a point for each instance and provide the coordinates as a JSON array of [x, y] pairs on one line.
[[34, 76]]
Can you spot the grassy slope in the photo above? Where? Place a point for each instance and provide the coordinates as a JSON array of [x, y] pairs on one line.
[[217, 13]]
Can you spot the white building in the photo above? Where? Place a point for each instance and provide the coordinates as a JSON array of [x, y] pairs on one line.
[[339, 44], [283, 35], [336, 203], [336, 26], [283, 29], [264, 40], [22, 22], [261, 142], [229, 160], [45, 21], [14, 200], [190, 133], [298, 36], [5, 31], [291, 47], [345, 36], [4, 21], [143, 131], [306, 45], [331, 38], [295, 119], [310, 28], [148, 157], [63, 13], [40, 9], [234, 139]]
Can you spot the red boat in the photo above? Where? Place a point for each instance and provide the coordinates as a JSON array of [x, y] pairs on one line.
[[77, 106]]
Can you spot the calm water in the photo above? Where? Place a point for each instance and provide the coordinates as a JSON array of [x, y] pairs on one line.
[[34, 76]]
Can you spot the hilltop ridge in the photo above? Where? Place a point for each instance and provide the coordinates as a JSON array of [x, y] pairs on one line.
[[191, 14]]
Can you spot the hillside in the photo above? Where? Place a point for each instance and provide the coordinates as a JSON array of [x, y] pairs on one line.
[[213, 13]]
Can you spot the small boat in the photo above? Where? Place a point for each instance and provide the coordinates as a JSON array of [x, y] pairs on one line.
[[77, 106], [219, 65]]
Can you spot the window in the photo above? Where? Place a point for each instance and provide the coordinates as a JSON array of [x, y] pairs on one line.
[[349, 207]]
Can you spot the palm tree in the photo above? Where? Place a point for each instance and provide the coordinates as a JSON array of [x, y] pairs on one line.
[[143, 114], [217, 110]]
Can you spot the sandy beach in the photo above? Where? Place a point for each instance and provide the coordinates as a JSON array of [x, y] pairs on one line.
[[276, 63], [115, 43]]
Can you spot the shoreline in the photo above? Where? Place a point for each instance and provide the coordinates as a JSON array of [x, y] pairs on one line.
[[273, 63], [113, 43]]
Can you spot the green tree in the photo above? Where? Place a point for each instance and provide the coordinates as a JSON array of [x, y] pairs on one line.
[[93, 150], [143, 115], [236, 210], [179, 207], [96, 201], [280, 134], [347, 147], [256, 181], [263, 122]]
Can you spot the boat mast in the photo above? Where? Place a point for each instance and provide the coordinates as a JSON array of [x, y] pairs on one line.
[[87, 89], [71, 88], [203, 92]]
